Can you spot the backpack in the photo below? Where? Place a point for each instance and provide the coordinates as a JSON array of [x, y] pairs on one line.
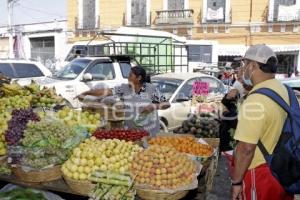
[[284, 162]]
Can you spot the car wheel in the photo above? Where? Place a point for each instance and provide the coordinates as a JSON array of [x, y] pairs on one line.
[[163, 127]]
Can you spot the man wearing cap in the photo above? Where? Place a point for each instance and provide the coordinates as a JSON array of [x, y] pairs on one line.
[[260, 118]]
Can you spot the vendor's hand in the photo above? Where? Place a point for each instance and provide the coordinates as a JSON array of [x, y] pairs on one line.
[[236, 192], [148, 109]]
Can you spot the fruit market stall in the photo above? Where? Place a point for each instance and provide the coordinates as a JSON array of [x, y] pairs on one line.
[[67, 150]]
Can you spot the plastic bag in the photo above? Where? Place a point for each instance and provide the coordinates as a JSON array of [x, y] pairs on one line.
[[15, 154], [80, 135]]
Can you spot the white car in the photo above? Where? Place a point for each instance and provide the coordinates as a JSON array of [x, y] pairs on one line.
[[83, 74], [177, 88], [24, 71]]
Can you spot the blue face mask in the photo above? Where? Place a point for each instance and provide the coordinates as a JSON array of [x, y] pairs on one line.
[[247, 81]]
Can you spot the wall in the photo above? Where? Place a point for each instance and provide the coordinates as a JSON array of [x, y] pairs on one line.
[[4, 47], [113, 15]]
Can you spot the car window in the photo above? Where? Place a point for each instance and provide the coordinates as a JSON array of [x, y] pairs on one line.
[[125, 69], [167, 86], [102, 71], [6, 70], [187, 89], [73, 69], [25, 70], [214, 85]]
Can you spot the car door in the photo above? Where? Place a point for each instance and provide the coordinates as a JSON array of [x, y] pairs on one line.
[[103, 74], [179, 110]]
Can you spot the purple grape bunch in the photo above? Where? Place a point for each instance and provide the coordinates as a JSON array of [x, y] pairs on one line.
[[17, 125]]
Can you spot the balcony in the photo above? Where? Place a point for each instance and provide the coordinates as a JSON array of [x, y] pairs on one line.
[[175, 17], [283, 14], [227, 19], [84, 27]]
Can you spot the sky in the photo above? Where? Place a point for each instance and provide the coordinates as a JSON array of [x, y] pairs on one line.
[[32, 11]]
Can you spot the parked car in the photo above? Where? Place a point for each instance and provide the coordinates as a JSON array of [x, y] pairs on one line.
[[23, 71], [82, 74], [177, 88], [293, 83]]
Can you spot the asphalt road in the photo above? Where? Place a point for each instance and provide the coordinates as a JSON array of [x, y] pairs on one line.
[[221, 184]]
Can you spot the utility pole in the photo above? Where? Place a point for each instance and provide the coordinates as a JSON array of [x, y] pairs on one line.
[[10, 26]]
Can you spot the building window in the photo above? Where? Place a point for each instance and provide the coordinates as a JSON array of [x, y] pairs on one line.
[[216, 11], [176, 4], [138, 12], [88, 17], [200, 53], [284, 10]]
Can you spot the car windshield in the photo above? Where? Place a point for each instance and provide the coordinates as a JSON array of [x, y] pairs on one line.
[[20, 70], [73, 69], [167, 86]]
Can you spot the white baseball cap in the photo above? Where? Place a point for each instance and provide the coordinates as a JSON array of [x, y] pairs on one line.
[[260, 53]]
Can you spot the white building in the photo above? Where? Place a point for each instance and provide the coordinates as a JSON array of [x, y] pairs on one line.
[[45, 42]]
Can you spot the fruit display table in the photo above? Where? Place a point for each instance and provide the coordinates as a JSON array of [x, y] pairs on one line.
[[61, 187]]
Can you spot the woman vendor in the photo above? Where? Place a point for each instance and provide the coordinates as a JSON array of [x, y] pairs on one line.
[[141, 99]]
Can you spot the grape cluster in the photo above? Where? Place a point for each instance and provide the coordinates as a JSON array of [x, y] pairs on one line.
[[17, 125], [44, 143], [46, 134], [14, 102]]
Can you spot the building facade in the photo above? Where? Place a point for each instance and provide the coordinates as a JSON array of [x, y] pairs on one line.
[[45, 42], [233, 24]]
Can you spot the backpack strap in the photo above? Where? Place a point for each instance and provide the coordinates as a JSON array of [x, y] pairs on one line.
[[281, 102], [275, 97], [293, 98]]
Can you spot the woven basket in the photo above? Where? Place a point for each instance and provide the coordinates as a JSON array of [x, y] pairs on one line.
[[214, 142], [159, 195], [80, 187], [46, 175], [3, 160]]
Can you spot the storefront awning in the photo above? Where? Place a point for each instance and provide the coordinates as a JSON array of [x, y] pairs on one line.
[[231, 50], [285, 48], [239, 50]]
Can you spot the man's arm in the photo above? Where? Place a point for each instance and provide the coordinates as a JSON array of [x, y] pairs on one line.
[[243, 157]]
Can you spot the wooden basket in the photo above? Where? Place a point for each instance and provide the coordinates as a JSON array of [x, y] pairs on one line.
[[146, 194], [46, 175], [80, 187]]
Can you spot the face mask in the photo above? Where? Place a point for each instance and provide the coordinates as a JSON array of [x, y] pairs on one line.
[[248, 81]]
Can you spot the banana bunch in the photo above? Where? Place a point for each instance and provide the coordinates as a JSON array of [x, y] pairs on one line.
[[12, 89], [33, 87]]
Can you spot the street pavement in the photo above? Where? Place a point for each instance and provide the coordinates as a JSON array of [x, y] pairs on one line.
[[221, 184], [221, 189]]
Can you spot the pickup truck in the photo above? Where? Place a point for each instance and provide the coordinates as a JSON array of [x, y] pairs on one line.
[[83, 74]]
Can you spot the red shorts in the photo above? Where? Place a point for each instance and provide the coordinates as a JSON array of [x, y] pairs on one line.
[[260, 184]]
